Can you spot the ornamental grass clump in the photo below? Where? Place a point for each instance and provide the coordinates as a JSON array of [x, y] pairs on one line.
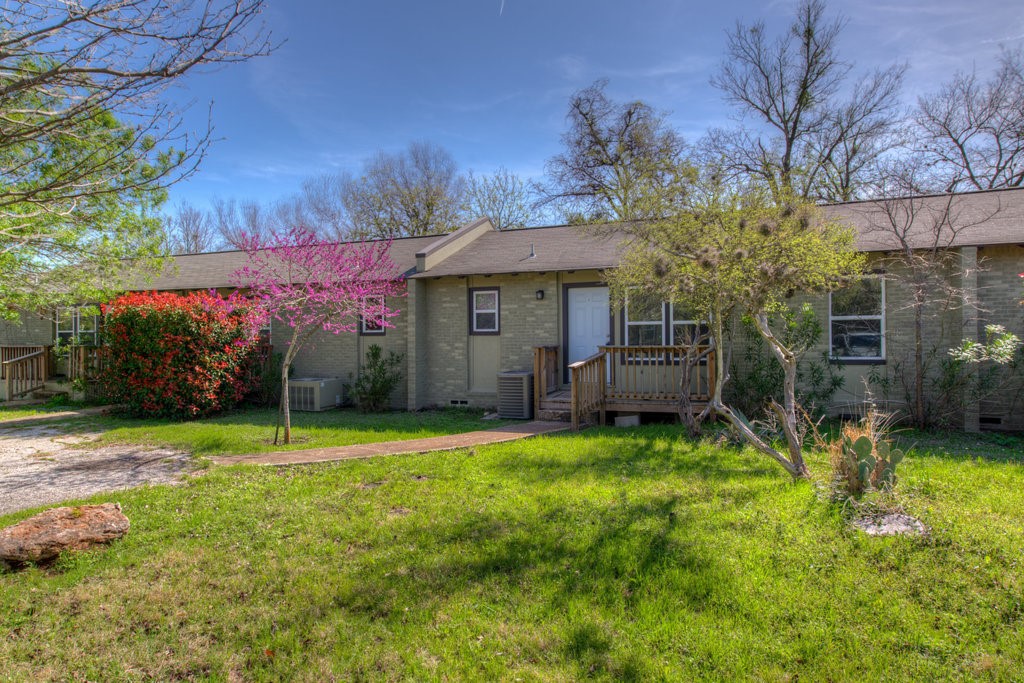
[[179, 356]]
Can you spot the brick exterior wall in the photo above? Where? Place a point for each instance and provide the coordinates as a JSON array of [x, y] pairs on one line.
[[1000, 291], [446, 348], [31, 330], [342, 355], [992, 277]]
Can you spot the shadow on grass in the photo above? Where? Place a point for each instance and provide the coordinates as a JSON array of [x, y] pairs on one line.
[[401, 421], [959, 446], [597, 558], [646, 453]]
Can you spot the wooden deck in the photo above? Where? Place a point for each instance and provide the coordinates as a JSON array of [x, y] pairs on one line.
[[632, 379], [561, 401]]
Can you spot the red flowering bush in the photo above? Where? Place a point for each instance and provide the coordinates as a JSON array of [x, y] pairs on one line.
[[180, 356]]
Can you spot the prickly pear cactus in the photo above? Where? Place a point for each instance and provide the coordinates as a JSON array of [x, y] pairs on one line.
[[870, 464], [888, 458]]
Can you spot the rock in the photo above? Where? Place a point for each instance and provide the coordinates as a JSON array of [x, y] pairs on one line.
[[891, 525], [45, 536]]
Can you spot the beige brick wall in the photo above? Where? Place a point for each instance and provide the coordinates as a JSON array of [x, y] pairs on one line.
[[946, 323], [342, 355], [1000, 290], [526, 322]]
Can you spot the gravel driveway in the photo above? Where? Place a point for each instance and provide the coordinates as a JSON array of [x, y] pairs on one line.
[[45, 464]]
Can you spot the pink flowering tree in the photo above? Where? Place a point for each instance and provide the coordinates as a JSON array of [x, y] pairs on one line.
[[314, 286]]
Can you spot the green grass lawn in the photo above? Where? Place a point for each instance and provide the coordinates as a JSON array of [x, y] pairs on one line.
[[625, 555], [252, 430], [19, 411]]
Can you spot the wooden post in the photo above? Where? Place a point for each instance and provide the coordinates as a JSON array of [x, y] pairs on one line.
[[539, 377], [574, 399]]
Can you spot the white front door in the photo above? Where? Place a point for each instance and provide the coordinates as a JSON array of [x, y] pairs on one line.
[[589, 320]]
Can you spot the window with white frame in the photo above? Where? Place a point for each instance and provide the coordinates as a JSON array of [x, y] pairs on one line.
[[857, 320], [645, 320], [685, 329], [651, 322], [78, 324], [373, 322], [484, 311]]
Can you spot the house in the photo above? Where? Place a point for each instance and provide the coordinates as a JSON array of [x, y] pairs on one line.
[[482, 301]]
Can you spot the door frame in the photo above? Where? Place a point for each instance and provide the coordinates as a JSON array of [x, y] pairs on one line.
[[565, 321]]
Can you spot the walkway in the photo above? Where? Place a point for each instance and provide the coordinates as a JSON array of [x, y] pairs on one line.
[[369, 450]]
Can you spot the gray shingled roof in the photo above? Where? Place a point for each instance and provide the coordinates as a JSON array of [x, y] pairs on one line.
[[509, 251], [967, 219], [992, 217], [212, 271]]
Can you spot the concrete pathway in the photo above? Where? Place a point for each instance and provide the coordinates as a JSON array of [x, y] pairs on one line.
[[369, 450]]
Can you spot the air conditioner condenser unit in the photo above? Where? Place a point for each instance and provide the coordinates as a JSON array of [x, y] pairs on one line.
[[315, 394]]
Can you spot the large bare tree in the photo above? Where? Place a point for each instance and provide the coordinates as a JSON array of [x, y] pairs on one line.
[[808, 130], [190, 230], [620, 162], [87, 145], [414, 192], [502, 196], [972, 131]]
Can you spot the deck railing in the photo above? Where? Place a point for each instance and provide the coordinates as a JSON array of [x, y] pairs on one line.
[[545, 373], [25, 373], [85, 362], [653, 373], [588, 393], [11, 352], [635, 374]]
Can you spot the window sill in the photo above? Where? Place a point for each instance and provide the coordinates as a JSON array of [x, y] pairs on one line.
[[856, 361]]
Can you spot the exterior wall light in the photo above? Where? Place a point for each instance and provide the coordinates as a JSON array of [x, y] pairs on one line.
[[540, 294]]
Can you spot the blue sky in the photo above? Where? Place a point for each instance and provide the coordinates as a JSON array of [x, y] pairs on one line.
[[489, 79]]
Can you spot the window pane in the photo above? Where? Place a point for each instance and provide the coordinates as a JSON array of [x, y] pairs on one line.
[[372, 319], [857, 338], [863, 297], [684, 333], [643, 307], [643, 335], [65, 320], [485, 301], [86, 324], [486, 322]]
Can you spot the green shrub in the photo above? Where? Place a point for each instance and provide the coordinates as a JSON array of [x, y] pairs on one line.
[[760, 380], [378, 377], [178, 356]]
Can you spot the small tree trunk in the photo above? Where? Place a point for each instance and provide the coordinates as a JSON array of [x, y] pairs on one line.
[[719, 408], [919, 417], [285, 407], [692, 357], [286, 365]]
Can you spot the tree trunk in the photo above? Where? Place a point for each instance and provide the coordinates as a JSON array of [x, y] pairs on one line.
[[919, 358], [797, 469], [286, 365], [786, 412], [686, 414]]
